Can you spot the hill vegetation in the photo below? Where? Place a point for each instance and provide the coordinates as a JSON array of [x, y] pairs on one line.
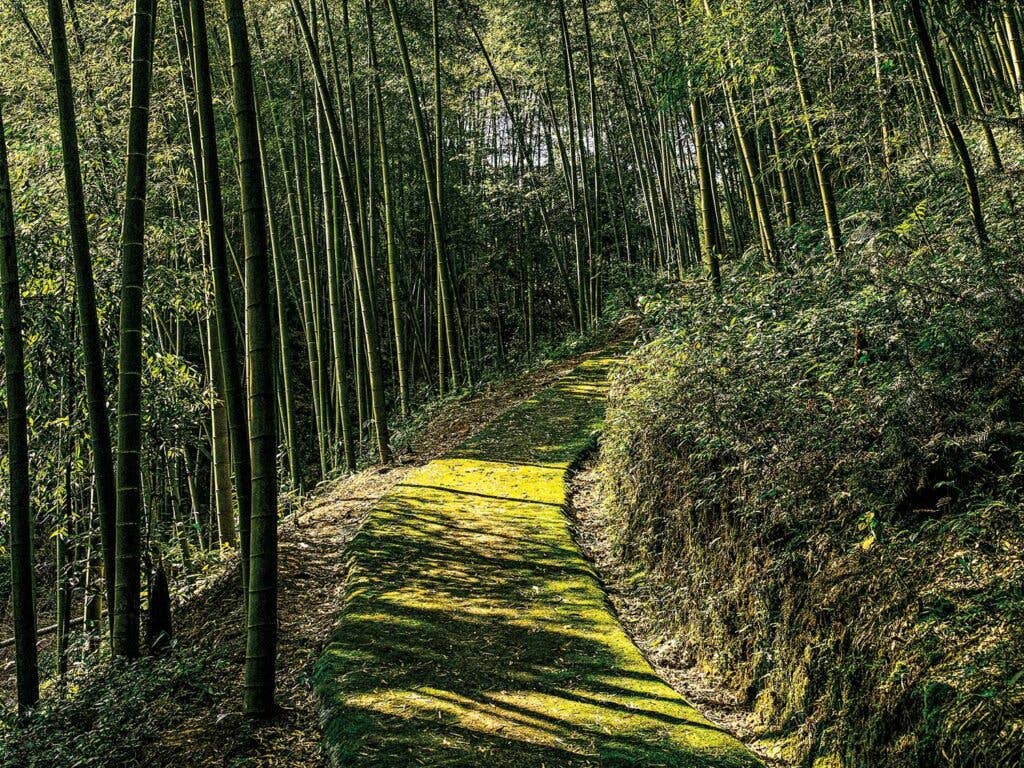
[[815, 478]]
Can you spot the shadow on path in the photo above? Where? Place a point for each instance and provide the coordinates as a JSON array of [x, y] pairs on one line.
[[474, 632]]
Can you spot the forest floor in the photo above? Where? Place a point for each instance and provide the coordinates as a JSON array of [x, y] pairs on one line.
[[468, 628], [314, 562], [474, 632], [183, 708]]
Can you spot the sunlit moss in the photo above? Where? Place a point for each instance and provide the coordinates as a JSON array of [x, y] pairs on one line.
[[475, 633]]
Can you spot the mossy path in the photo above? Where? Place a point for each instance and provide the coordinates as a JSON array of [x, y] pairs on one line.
[[474, 632]]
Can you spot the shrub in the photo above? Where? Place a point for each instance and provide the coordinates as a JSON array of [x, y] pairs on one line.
[[821, 472]]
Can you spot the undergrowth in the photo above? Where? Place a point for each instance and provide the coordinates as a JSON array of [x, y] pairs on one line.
[[112, 715], [820, 473]]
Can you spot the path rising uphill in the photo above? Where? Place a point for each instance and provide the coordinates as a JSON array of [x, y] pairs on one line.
[[474, 633]]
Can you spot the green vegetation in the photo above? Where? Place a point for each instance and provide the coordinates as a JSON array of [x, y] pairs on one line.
[[111, 719], [820, 473], [474, 632], [249, 245]]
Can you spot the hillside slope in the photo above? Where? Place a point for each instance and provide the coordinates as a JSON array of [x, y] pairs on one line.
[[817, 482]]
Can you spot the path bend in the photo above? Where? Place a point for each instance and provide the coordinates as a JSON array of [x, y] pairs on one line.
[[474, 632]]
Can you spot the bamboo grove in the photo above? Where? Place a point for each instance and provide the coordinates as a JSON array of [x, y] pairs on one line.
[[244, 244]]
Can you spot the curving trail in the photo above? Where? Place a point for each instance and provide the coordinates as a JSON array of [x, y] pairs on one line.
[[474, 633]]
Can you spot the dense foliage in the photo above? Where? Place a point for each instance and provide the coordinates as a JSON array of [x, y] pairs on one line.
[[821, 472], [349, 209]]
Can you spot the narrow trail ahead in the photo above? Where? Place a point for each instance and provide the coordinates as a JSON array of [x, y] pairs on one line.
[[474, 632]]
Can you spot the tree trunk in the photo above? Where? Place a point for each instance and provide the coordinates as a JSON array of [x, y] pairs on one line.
[[365, 308], [85, 291], [261, 641], [224, 312], [129, 399], [949, 123], [20, 540], [828, 201], [709, 211], [389, 223]]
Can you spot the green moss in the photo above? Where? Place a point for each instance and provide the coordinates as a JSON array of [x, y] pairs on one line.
[[474, 631]]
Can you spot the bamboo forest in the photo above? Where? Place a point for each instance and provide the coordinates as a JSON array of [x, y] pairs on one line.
[[512, 383]]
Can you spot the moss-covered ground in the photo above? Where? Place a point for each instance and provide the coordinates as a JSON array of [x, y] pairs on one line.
[[474, 632]]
